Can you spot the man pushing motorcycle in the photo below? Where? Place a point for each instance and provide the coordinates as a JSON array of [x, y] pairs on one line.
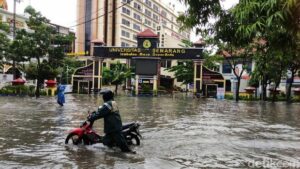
[[112, 122]]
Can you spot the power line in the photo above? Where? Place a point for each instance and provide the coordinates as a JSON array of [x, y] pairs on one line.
[[128, 2], [85, 16]]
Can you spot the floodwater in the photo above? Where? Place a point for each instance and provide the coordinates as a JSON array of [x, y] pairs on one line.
[[177, 133]]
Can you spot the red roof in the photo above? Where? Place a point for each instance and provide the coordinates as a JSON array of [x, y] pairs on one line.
[[51, 82], [148, 34], [19, 80]]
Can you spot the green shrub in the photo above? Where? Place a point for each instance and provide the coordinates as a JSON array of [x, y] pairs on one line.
[[43, 93], [31, 90], [146, 88], [20, 90], [228, 97], [161, 88]]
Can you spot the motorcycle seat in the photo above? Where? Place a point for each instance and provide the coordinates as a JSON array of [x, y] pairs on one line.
[[126, 126]]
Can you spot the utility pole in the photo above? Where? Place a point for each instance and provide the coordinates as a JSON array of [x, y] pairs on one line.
[[14, 28], [14, 36]]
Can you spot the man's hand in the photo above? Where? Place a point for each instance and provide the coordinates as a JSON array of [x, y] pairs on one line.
[[88, 123], [90, 115]]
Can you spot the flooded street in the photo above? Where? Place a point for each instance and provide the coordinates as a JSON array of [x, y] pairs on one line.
[[177, 133]]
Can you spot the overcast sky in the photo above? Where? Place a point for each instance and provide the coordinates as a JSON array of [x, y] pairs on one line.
[[63, 12]]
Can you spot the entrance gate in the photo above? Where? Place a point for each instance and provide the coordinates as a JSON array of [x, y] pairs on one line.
[[147, 59]]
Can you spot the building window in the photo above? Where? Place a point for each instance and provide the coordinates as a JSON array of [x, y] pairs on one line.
[[126, 1], [155, 8], [148, 3], [124, 44], [155, 17], [166, 63], [228, 86], [126, 22], [126, 11], [154, 25], [137, 17], [147, 22], [164, 22], [226, 68], [137, 6], [137, 27], [148, 13], [125, 34], [164, 14]]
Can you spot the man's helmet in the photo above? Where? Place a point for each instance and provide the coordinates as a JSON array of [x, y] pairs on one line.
[[107, 95]]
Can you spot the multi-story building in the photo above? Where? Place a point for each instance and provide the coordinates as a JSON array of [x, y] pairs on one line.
[[117, 23]]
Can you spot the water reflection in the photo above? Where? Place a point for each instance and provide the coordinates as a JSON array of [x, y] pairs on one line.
[[177, 133]]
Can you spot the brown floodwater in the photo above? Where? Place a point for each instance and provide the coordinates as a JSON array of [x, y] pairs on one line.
[[177, 133]]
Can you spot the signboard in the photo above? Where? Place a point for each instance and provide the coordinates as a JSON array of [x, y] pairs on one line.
[[77, 54], [165, 53], [146, 67]]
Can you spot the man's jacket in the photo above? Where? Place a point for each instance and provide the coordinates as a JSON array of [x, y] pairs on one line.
[[112, 119]]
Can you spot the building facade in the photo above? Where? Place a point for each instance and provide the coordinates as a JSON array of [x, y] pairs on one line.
[[117, 23]]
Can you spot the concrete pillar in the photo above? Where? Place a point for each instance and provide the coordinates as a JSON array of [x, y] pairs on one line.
[[155, 85], [198, 76], [136, 84]]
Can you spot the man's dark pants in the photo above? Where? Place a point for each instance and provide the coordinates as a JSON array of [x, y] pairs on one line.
[[116, 138]]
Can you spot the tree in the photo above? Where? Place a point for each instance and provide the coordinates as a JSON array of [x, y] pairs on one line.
[[198, 14], [4, 42], [69, 66], [234, 49], [277, 22], [184, 72], [41, 43], [116, 75]]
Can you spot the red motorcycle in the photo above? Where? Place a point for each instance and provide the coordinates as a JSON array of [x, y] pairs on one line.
[[87, 136]]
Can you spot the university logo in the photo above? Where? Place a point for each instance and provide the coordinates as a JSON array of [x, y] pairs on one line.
[[146, 44]]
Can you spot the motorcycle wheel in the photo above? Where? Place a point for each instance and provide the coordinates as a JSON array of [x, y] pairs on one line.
[[75, 139], [133, 139]]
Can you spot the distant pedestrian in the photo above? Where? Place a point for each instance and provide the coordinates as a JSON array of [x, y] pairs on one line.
[[61, 94]]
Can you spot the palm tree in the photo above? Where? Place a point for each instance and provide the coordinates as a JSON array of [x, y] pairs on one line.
[[116, 75]]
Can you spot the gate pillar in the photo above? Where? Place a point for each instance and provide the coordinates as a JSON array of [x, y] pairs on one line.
[[97, 66], [136, 85], [198, 77]]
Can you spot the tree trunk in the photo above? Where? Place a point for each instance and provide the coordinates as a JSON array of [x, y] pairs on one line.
[[277, 82], [186, 89], [14, 70], [237, 90], [38, 84], [116, 89], [37, 90], [274, 93], [264, 90], [289, 89]]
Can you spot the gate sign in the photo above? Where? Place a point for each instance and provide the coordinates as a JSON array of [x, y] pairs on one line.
[[164, 53]]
